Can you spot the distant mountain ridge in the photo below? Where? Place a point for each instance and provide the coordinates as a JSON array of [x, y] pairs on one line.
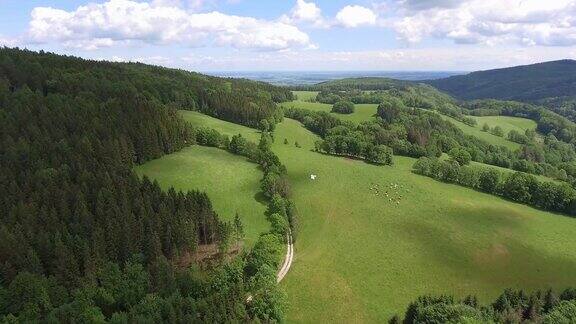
[[529, 83]]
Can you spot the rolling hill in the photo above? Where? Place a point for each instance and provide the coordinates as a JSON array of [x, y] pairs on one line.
[[522, 83]]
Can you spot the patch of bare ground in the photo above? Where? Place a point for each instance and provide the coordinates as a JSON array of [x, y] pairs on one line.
[[497, 253], [207, 255]]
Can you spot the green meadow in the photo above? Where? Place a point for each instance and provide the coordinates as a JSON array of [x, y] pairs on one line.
[[507, 123], [373, 238], [486, 136], [362, 112], [231, 182], [305, 95]]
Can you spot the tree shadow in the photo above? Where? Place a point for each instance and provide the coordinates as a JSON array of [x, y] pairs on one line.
[[261, 198]]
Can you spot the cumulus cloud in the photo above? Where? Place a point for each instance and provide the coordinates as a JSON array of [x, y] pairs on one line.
[[491, 22], [307, 13], [409, 59], [355, 16], [124, 21]]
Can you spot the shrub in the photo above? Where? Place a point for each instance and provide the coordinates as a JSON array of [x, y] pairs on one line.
[[343, 107], [460, 155]]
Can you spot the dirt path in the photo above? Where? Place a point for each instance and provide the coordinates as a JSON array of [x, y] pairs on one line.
[[287, 259]]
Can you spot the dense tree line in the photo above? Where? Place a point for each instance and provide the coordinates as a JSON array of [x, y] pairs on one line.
[[512, 306], [347, 141], [274, 184], [516, 186], [343, 138], [82, 238], [563, 106]]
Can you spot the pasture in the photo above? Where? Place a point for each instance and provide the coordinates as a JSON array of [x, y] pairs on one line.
[[305, 95], [507, 123], [231, 182], [362, 256], [362, 112], [486, 136]]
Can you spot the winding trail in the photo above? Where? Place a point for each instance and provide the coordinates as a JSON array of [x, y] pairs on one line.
[[287, 259]]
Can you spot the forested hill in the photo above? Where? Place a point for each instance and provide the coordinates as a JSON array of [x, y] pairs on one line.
[[522, 83], [82, 238], [365, 84], [238, 100]]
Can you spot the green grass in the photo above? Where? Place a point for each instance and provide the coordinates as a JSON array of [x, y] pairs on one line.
[[362, 112], [305, 95], [361, 258], [486, 136], [507, 123], [224, 127], [231, 182]]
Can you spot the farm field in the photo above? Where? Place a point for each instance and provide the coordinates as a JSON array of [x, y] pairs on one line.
[[230, 181], [360, 257]]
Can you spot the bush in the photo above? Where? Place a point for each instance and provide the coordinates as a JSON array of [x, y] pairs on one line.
[[343, 107], [460, 155]]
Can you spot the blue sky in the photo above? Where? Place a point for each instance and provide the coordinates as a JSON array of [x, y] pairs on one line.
[[241, 35]]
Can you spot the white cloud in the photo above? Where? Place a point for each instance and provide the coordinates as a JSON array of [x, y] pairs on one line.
[[408, 59], [8, 42], [355, 16], [491, 22], [124, 21], [307, 13]]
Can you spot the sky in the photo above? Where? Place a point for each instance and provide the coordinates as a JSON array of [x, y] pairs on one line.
[[298, 35]]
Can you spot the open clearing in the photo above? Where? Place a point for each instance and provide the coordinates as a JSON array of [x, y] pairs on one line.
[[230, 181], [362, 112], [305, 95], [361, 257], [486, 136], [507, 123]]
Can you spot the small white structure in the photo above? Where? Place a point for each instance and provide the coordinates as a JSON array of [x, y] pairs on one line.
[[312, 177]]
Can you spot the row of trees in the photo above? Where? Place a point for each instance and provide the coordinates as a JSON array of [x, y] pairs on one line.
[[512, 306], [274, 184], [342, 140], [516, 186]]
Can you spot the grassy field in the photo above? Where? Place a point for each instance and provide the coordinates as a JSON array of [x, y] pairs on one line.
[[362, 112], [226, 128], [486, 136], [305, 95], [507, 123], [361, 257], [230, 181]]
